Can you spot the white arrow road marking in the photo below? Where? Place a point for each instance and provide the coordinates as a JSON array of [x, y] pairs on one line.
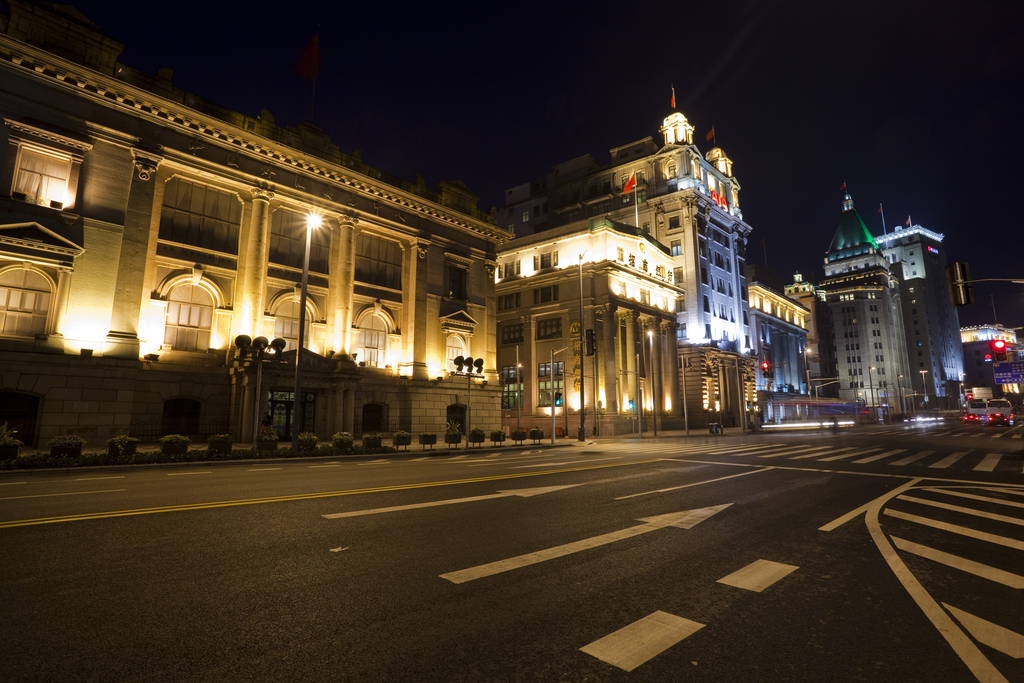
[[995, 636], [686, 519], [338, 550], [758, 575], [522, 493], [962, 563], [632, 645]]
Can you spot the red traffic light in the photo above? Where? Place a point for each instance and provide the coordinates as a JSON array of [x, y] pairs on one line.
[[765, 365], [999, 348], [999, 344]]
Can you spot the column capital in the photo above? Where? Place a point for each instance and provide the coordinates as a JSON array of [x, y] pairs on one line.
[[146, 163], [347, 218], [262, 192]]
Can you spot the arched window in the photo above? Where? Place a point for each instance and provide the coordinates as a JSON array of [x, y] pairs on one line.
[[287, 325], [24, 302], [454, 349], [373, 339], [189, 319]]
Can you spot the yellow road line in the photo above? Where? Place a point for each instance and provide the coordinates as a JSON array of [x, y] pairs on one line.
[[300, 496]]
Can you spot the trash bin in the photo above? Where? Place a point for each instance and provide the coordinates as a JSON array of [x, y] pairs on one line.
[[715, 428]]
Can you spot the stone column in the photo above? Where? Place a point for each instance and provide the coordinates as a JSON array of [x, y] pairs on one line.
[[123, 339], [61, 301], [414, 307], [631, 378], [253, 259], [342, 286], [670, 365]]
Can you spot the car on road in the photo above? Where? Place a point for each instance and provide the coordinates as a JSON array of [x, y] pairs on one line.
[[997, 411], [976, 411]]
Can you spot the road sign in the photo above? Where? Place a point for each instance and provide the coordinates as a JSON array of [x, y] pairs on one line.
[[1009, 373]]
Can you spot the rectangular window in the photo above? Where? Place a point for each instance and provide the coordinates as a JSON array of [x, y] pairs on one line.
[[545, 260], [677, 248], [645, 297], [378, 261], [549, 329], [526, 216], [43, 178], [512, 334], [681, 304], [619, 255], [673, 222], [707, 305], [201, 216], [457, 277], [703, 274], [543, 295], [677, 275]]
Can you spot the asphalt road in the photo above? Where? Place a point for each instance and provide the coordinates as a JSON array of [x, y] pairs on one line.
[[877, 554]]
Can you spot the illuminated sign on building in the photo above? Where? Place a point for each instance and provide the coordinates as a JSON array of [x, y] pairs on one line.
[[719, 199]]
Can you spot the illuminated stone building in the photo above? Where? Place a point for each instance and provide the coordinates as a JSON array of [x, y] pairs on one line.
[[685, 205], [980, 359], [864, 295], [143, 228], [929, 318], [821, 350]]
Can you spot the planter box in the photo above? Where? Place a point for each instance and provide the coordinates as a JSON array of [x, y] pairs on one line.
[[174, 448], [497, 442], [536, 436], [402, 441], [125, 450], [307, 445], [453, 439], [428, 440], [220, 447], [475, 439], [519, 436], [371, 442], [343, 444], [66, 451], [266, 445]]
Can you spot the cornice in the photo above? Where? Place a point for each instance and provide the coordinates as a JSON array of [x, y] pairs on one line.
[[49, 136], [114, 93]]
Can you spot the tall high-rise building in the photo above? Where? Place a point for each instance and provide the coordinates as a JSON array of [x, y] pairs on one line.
[[934, 349], [667, 199], [864, 296], [821, 349]]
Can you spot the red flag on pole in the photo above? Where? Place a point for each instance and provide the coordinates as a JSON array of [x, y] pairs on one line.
[[711, 134], [630, 184], [673, 97], [908, 220], [843, 186], [879, 208], [308, 65]]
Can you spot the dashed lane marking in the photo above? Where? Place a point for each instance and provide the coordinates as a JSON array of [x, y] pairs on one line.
[[962, 563], [263, 469], [758, 575], [51, 495], [879, 456], [989, 462], [948, 460], [632, 645], [185, 474], [843, 456], [698, 483], [794, 451], [815, 455]]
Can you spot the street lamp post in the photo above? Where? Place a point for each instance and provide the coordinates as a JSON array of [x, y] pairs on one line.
[[807, 371], [519, 391], [552, 381], [924, 387], [583, 406], [903, 405], [312, 221], [874, 395]]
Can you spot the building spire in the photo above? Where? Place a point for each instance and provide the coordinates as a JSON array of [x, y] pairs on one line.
[[847, 199]]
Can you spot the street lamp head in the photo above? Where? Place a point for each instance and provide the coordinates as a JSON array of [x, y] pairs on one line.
[[313, 220]]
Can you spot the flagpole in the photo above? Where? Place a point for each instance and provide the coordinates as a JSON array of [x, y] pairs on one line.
[[636, 205], [883, 217]]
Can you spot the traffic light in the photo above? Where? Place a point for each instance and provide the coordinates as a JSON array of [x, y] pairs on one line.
[[958, 276], [766, 367], [591, 343], [558, 398], [999, 350]]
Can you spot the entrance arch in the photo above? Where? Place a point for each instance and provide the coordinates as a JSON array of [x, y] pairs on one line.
[[373, 418]]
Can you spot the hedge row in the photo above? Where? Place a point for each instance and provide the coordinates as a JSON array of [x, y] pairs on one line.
[[45, 460]]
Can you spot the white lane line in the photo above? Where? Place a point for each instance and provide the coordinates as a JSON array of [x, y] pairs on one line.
[[911, 458], [956, 529], [963, 510], [12, 483], [741, 450], [839, 521], [794, 451], [863, 451], [567, 462], [632, 645], [263, 469], [184, 474], [989, 462], [458, 457], [675, 488], [985, 632], [948, 460], [425, 457], [98, 478], [685, 519], [984, 499], [1016, 436], [975, 436], [815, 455], [382, 461], [962, 563], [50, 495], [314, 467], [522, 493], [758, 575], [885, 454], [996, 436]]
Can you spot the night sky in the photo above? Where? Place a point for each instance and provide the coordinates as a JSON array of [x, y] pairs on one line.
[[915, 105]]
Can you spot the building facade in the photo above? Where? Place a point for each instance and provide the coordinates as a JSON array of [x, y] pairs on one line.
[[864, 296], [980, 359], [686, 203], [779, 331], [144, 228], [930, 320], [821, 350]]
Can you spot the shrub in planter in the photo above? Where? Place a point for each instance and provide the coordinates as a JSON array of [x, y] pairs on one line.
[[476, 435], [266, 439], [498, 436], [536, 433], [453, 434], [401, 438], [122, 446], [174, 444], [67, 445], [519, 435], [307, 441], [371, 441], [219, 444], [428, 439], [8, 444], [342, 441]]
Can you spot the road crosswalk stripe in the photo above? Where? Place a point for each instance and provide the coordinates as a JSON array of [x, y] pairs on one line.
[[975, 436], [911, 458], [841, 456], [948, 460], [737, 449], [805, 449], [956, 529], [758, 575], [1016, 436], [963, 510], [632, 645], [885, 454], [962, 563], [971, 496], [987, 633], [989, 462], [816, 455]]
